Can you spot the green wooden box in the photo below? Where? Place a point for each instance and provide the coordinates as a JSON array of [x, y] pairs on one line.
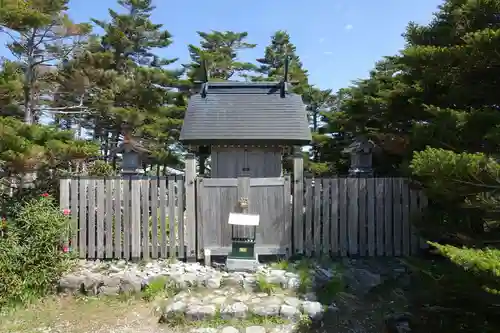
[[243, 249]]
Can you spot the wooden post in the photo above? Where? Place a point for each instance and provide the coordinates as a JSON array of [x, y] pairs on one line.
[[135, 218], [298, 199], [64, 191], [190, 223]]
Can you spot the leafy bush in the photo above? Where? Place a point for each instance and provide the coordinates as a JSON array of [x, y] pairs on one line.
[[32, 259]]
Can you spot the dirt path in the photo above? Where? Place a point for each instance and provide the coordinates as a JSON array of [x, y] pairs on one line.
[[84, 315]]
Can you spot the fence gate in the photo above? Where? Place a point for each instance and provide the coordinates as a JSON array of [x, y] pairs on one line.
[[268, 197]]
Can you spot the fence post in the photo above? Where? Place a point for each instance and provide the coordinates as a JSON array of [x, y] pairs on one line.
[[190, 223], [298, 199], [135, 219], [64, 205]]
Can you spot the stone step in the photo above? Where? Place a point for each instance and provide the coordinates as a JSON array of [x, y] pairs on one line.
[[236, 303], [282, 328]]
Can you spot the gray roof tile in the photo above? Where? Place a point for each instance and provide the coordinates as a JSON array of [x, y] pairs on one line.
[[237, 111]]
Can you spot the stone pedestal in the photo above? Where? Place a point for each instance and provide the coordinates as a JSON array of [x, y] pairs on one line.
[[242, 265]]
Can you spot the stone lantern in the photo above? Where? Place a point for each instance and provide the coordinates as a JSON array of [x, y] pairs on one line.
[[133, 155], [361, 157]]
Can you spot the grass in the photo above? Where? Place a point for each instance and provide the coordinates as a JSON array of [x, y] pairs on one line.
[[303, 268], [264, 286], [160, 286], [82, 315], [217, 321], [89, 314]]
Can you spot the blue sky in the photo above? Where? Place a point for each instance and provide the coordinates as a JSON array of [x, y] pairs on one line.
[[338, 40]]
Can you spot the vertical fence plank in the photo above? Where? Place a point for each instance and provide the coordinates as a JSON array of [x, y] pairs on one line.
[[109, 219], [362, 218], [334, 216], [326, 222], [191, 206], [135, 219], [199, 218], [117, 218], [91, 253], [353, 215], [64, 198], [83, 218], [75, 229], [415, 243], [405, 223], [298, 213], [343, 244], [287, 193], [380, 212], [127, 184], [309, 211], [100, 207], [396, 216], [153, 192], [317, 217], [388, 217], [371, 218], [145, 218], [422, 207], [171, 217], [180, 216], [163, 216]]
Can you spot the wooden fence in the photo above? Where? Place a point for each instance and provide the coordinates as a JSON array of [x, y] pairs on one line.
[[127, 217], [145, 217], [358, 216]]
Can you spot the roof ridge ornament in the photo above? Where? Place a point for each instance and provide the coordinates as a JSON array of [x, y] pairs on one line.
[[284, 81], [204, 86]]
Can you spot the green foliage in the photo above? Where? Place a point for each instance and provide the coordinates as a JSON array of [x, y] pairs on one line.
[[484, 264], [264, 286], [101, 168], [160, 286], [32, 259], [219, 52]]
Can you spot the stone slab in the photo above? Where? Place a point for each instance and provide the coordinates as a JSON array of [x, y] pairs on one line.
[[242, 265]]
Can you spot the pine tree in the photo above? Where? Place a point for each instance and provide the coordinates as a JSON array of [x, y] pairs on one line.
[[272, 66], [40, 34], [133, 92], [218, 50]]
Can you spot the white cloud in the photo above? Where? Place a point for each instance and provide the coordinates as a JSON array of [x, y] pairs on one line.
[[321, 40], [328, 52], [348, 27]]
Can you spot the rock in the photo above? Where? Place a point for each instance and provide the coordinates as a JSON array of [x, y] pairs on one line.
[[313, 309], [255, 329], [236, 310], [200, 312], [398, 323], [229, 329], [293, 283], [360, 281], [111, 281], [213, 283], [283, 328], [175, 308], [310, 297], [293, 301], [91, 283], [204, 330], [71, 283], [277, 280], [109, 290], [130, 284], [266, 310], [289, 312]]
